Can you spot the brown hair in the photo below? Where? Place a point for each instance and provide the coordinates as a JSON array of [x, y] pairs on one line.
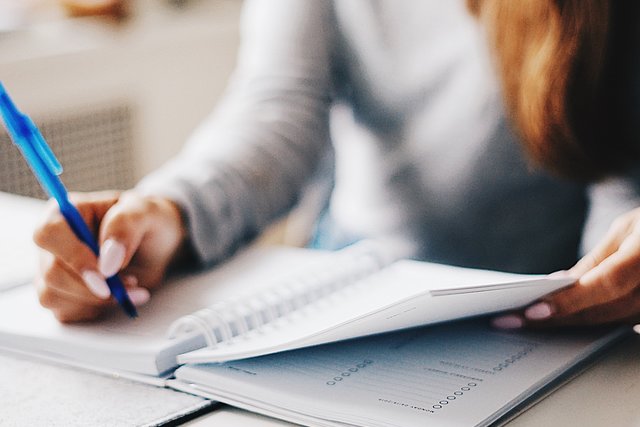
[[556, 60]]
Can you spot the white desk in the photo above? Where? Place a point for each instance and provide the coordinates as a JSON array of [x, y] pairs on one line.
[[606, 394]]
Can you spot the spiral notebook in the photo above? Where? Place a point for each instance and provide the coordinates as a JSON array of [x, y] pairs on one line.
[[267, 300]]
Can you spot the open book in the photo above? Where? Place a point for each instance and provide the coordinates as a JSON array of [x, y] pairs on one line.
[[454, 374], [264, 301], [268, 300]]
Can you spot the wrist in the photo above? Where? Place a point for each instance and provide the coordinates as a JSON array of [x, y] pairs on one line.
[[183, 253]]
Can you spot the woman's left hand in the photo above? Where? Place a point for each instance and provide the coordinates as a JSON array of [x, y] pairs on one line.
[[607, 288]]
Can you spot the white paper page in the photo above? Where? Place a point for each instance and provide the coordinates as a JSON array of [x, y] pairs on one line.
[[18, 254], [458, 374], [121, 343], [397, 297]]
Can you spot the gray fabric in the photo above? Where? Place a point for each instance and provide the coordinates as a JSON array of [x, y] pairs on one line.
[[405, 93]]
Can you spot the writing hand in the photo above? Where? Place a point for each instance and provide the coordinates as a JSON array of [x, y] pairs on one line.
[[138, 236]]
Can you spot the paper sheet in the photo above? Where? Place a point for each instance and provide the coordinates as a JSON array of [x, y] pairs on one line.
[[459, 374], [18, 253]]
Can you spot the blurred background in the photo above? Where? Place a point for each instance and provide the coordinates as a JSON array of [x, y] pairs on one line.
[[116, 86]]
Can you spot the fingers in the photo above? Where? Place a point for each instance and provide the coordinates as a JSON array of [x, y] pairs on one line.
[[121, 232], [615, 277], [607, 291], [70, 283], [60, 280], [609, 244], [56, 237], [140, 235], [623, 310], [606, 294], [65, 293]]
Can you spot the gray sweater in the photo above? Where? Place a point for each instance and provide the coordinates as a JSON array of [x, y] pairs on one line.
[[396, 102]]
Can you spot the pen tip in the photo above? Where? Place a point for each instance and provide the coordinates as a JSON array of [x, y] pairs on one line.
[[128, 307]]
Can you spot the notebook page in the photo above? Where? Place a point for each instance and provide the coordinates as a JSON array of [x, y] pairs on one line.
[[18, 253], [140, 345], [458, 374], [396, 297]]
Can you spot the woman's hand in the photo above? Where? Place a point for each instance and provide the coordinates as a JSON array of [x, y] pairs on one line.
[[607, 288], [138, 237]]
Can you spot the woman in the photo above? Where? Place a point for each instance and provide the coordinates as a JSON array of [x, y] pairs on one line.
[[440, 161]]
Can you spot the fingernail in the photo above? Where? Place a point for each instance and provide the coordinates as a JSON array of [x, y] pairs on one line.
[[636, 329], [510, 321], [96, 284], [139, 296], [539, 311], [111, 257]]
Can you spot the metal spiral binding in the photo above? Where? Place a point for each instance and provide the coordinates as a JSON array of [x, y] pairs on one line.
[[225, 321]]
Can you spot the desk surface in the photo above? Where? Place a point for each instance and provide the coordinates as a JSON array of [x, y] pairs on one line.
[[606, 394]]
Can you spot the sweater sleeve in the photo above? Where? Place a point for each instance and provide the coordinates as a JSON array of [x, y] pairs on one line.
[[248, 162]]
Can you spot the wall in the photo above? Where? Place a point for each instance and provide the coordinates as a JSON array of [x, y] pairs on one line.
[[164, 67]]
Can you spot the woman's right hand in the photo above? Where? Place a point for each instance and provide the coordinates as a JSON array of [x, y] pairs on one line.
[[139, 238]]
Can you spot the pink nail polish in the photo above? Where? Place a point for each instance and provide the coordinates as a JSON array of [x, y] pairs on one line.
[[139, 296], [111, 257], [509, 321], [539, 311], [96, 284]]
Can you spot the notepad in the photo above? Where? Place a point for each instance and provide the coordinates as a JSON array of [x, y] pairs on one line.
[[268, 300], [457, 374], [18, 254]]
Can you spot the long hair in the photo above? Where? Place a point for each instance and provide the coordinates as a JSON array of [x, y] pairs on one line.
[[559, 63]]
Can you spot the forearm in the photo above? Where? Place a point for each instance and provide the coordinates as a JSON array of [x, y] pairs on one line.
[[247, 164]]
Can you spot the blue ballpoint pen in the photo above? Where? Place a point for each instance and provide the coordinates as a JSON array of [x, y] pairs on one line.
[[46, 168]]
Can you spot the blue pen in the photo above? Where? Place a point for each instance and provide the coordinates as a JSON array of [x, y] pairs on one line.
[[46, 168]]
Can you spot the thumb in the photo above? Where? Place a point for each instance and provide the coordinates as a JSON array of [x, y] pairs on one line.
[[121, 233]]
